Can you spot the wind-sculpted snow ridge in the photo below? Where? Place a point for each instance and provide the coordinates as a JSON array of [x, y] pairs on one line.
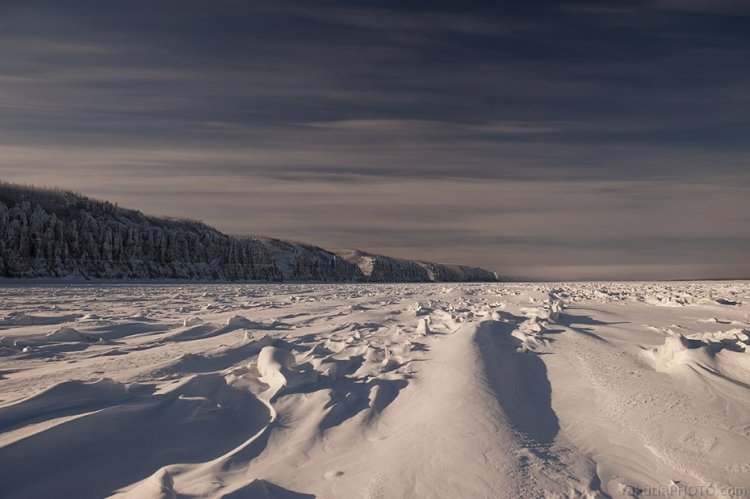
[[61, 234], [353, 390]]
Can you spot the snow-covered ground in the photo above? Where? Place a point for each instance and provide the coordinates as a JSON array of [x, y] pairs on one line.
[[429, 390]]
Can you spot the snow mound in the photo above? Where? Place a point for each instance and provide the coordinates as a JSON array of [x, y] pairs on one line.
[[423, 326], [238, 320], [160, 485], [191, 321], [69, 334], [531, 332], [278, 369], [678, 350], [704, 350]]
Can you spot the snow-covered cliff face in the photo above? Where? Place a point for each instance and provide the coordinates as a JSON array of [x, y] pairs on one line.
[[61, 234], [377, 268], [91, 239]]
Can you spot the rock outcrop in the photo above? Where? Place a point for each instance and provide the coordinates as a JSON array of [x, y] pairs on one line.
[[50, 233]]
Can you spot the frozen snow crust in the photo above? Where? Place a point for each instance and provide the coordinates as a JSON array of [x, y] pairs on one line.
[[373, 390]]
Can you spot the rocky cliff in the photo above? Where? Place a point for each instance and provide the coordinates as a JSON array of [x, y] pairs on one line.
[[50, 233]]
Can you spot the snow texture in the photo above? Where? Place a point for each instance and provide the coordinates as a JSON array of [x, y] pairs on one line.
[[357, 390]]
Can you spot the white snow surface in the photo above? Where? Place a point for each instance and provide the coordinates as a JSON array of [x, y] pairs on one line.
[[375, 391]]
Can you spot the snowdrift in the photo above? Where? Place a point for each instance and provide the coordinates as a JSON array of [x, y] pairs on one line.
[[470, 390]]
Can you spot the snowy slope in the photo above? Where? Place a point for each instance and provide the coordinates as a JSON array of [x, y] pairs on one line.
[[363, 390], [61, 234]]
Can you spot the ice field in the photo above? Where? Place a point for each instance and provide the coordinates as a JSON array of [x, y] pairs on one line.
[[424, 390]]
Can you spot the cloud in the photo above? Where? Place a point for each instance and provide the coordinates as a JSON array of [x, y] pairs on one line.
[[729, 7], [433, 127], [395, 20], [521, 138]]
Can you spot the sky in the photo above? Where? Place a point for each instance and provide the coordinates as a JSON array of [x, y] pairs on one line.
[[543, 140]]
